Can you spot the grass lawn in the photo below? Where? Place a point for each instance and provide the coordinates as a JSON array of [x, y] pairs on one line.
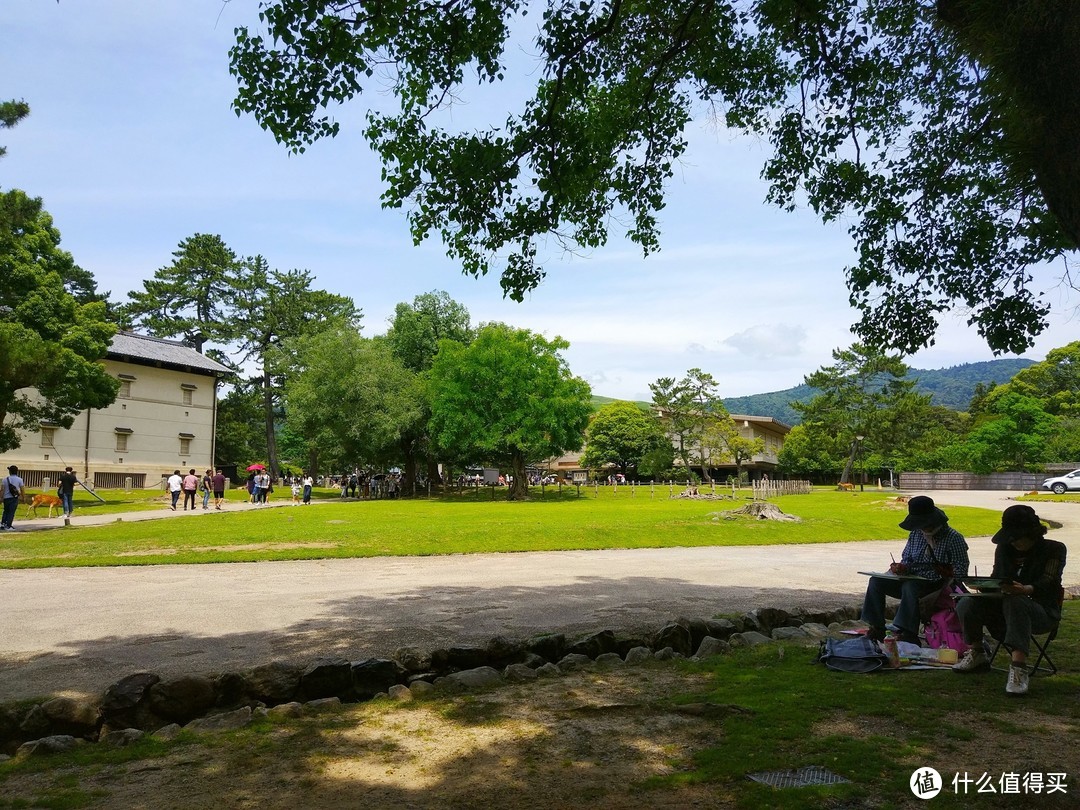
[[465, 523]]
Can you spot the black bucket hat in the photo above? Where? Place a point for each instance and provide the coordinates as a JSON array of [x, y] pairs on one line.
[[1019, 521], [922, 514]]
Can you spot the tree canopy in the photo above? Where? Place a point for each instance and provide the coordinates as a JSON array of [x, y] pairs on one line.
[[623, 435], [250, 310], [947, 132], [508, 397], [49, 341]]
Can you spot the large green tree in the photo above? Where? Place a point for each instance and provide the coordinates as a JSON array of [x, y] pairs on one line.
[[269, 308], [415, 334], [417, 328], [509, 398], [621, 434], [49, 341], [1014, 437], [947, 132], [247, 309], [351, 398], [864, 405], [190, 297], [687, 407]]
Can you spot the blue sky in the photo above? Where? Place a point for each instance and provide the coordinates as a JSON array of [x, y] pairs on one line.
[[133, 146]]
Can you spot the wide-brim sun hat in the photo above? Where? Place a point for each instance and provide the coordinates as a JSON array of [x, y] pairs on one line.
[[922, 514], [1017, 521]]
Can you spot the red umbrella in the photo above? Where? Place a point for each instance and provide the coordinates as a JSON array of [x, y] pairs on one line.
[[256, 467]]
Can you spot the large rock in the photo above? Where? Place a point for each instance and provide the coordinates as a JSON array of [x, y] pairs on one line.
[[413, 659], [638, 655], [550, 646], [594, 644], [226, 721], [182, 699], [69, 716], [673, 635], [273, 683], [574, 661], [519, 673], [722, 628], [502, 651], [466, 657], [790, 634], [327, 677], [231, 688], [53, 744], [375, 675], [125, 703], [478, 678], [35, 723], [712, 646], [764, 620], [750, 638]]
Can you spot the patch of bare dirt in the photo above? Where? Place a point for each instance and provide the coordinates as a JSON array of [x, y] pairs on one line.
[[591, 737]]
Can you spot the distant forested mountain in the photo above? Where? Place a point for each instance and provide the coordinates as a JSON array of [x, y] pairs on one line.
[[951, 387]]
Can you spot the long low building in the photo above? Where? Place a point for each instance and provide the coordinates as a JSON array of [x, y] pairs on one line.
[[164, 418]]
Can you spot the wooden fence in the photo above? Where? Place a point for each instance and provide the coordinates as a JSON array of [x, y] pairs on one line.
[[1023, 482]]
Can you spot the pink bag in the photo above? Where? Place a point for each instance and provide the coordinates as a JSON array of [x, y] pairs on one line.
[[944, 630]]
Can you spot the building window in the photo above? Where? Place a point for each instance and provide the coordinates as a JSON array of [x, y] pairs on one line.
[[122, 434], [125, 386], [185, 443], [48, 435], [187, 391], [187, 396]]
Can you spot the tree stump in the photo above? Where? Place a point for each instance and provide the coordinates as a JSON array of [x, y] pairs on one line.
[[762, 511]]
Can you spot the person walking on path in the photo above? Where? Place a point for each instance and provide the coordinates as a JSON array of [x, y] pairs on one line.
[[206, 485], [191, 486], [176, 484], [11, 490], [218, 484], [66, 488], [309, 482]]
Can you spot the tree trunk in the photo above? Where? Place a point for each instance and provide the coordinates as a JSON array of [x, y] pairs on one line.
[[845, 477], [271, 436], [433, 474], [313, 463], [519, 490]]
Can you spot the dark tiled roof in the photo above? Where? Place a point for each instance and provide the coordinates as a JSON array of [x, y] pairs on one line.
[[167, 352]]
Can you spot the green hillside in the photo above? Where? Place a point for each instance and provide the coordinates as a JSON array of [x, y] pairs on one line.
[[950, 387]]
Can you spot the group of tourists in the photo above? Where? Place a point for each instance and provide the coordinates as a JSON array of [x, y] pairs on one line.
[[1027, 599], [191, 485]]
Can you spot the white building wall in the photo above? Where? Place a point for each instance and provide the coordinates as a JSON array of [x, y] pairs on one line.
[[156, 415]]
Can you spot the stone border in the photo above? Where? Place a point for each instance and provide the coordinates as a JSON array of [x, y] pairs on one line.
[[143, 703]]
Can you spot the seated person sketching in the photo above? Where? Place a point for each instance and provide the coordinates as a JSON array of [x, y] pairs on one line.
[[935, 551], [1029, 567]]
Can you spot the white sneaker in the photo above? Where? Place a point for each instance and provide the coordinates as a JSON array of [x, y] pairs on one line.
[[974, 660], [1018, 680]]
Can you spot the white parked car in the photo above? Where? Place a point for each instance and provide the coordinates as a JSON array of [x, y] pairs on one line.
[[1063, 483]]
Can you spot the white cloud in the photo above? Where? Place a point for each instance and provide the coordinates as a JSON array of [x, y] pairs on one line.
[[765, 341]]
